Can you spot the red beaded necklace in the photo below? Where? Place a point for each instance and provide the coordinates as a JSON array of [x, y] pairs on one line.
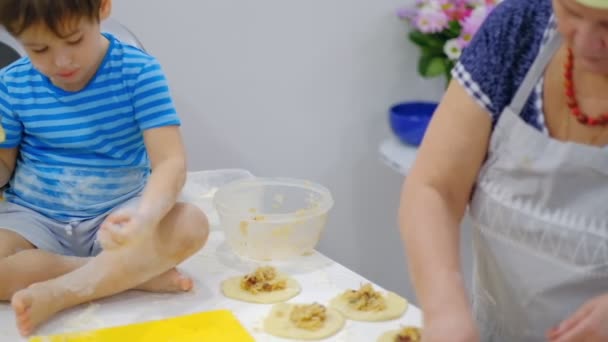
[[583, 118]]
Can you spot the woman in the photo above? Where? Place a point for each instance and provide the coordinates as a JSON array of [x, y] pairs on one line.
[[518, 139]]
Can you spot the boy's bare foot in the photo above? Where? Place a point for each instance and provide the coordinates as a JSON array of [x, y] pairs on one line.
[[32, 306], [168, 282], [36, 304]]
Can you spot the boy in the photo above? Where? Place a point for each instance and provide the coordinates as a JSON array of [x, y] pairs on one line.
[[97, 164]]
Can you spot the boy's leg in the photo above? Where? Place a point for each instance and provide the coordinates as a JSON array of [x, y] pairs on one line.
[[11, 243], [22, 264], [180, 234], [31, 266], [22, 232], [26, 267]]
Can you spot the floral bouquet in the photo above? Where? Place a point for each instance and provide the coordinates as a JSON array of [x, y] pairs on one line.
[[442, 29]]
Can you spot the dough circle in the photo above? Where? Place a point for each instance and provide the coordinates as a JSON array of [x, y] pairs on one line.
[[278, 324], [390, 336], [395, 308], [231, 288]]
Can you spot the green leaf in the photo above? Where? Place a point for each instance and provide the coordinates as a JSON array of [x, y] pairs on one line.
[[448, 71], [435, 40], [431, 66], [429, 51], [423, 64], [436, 67], [449, 64], [454, 28], [418, 38]]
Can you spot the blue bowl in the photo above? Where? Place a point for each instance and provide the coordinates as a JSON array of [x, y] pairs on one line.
[[409, 120]]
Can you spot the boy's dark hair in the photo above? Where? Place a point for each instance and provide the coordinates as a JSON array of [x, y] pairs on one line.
[[17, 15]]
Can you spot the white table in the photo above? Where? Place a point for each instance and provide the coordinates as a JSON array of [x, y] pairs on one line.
[[320, 277], [400, 157]]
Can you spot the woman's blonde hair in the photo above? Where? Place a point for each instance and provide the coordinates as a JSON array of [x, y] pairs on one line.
[[601, 4]]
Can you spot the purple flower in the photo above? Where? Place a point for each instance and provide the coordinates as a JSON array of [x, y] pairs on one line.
[[407, 13]]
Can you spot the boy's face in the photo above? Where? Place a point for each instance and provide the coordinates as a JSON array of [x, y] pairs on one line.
[[69, 61]]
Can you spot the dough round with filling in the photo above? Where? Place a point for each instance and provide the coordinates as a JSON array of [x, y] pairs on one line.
[[392, 336], [395, 308], [231, 288], [279, 324]]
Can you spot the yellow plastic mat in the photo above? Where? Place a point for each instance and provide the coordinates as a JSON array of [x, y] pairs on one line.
[[212, 326]]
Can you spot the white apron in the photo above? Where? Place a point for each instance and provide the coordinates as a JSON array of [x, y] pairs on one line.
[[540, 228]]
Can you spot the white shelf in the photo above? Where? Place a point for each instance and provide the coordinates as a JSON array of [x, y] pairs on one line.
[[398, 156]]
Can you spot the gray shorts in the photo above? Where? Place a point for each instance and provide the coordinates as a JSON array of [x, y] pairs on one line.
[[78, 238]]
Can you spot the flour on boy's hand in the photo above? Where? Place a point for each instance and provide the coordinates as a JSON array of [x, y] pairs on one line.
[[110, 236]]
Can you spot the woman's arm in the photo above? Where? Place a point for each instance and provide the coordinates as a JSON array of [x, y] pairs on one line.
[[434, 198]]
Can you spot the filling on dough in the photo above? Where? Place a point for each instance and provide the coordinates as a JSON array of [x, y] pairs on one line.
[[264, 279], [409, 334], [309, 317], [365, 299]]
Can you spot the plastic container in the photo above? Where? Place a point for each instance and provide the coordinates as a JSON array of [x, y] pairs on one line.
[[201, 186], [409, 120], [273, 218]]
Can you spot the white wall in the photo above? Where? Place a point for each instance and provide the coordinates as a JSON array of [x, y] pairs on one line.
[[299, 89]]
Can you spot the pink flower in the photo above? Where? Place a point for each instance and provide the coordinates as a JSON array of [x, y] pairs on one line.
[[457, 11], [430, 20], [437, 4], [465, 39], [472, 23]]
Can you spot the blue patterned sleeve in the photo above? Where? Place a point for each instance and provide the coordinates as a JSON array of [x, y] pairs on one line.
[[492, 67], [152, 99]]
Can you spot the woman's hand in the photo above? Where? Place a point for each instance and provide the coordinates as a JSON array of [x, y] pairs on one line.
[[456, 325], [588, 324]]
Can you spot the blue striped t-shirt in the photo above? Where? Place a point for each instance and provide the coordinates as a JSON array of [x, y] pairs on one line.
[[82, 153]]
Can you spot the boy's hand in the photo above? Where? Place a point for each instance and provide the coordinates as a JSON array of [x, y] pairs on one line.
[[123, 227]]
